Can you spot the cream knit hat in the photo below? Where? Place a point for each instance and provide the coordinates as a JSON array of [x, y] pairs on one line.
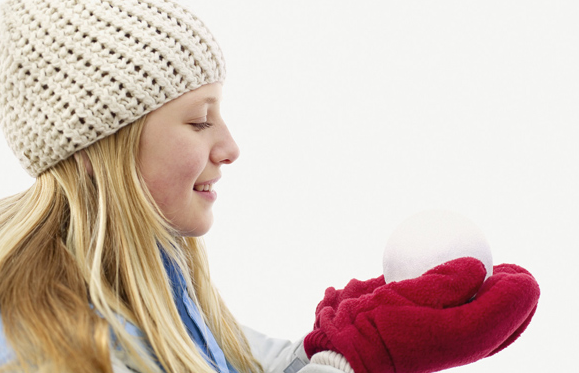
[[75, 71]]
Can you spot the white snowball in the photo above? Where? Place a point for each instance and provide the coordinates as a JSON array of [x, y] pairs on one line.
[[430, 238]]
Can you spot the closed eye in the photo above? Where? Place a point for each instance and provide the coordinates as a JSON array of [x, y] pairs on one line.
[[201, 126]]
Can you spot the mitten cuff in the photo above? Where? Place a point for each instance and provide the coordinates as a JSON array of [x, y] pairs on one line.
[[332, 359], [315, 342]]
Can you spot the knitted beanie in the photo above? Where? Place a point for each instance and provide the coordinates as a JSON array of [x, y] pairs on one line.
[[75, 71]]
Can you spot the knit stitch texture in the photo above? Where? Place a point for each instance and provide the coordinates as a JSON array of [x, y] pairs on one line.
[[75, 71]]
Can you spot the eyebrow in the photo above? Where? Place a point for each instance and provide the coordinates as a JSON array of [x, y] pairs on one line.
[[195, 104], [210, 100]]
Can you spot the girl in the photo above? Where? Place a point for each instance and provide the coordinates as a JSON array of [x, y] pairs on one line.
[[114, 107], [106, 239]]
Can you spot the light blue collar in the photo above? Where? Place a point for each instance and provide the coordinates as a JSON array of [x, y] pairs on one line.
[[191, 317]]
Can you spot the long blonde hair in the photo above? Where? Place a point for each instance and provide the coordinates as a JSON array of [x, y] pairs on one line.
[[79, 254]]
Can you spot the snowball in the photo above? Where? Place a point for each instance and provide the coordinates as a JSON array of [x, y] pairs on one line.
[[430, 238]]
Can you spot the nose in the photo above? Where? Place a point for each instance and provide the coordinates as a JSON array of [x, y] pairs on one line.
[[226, 150]]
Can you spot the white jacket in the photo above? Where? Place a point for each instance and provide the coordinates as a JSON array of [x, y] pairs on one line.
[[282, 356], [275, 355]]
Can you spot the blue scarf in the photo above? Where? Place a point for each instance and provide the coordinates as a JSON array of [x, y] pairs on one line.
[[196, 327]]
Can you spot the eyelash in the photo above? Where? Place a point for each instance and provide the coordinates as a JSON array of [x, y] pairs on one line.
[[201, 126]]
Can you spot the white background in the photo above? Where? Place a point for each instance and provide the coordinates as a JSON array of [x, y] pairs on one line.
[[351, 116]]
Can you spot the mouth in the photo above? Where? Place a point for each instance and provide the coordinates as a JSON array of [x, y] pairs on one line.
[[205, 190], [203, 187]]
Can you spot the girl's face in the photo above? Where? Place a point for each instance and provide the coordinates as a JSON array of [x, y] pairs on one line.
[[182, 147]]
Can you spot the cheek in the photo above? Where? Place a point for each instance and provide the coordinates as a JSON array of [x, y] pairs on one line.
[[170, 175]]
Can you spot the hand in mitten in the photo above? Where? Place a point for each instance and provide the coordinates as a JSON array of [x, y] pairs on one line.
[[446, 285], [428, 323]]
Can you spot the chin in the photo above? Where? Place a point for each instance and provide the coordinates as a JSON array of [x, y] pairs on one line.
[[196, 231]]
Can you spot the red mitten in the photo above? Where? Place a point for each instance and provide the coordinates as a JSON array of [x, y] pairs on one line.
[[354, 289], [426, 324], [501, 272]]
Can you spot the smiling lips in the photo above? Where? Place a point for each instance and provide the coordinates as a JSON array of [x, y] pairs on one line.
[[206, 191], [203, 187], [206, 187]]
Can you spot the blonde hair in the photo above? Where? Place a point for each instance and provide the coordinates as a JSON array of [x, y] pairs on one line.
[[80, 253]]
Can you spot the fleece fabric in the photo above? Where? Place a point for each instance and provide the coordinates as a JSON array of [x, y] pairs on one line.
[[445, 318]]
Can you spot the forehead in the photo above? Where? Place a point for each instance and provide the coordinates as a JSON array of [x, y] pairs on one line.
[[204, 95], [193, 105]]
